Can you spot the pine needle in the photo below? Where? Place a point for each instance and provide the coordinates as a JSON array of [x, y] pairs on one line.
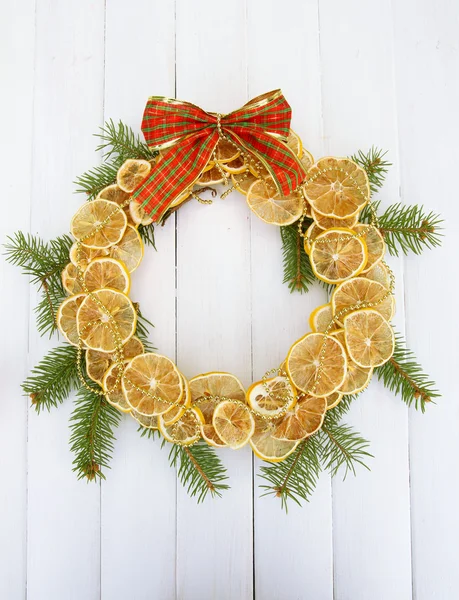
[[341, 446], [403, 376], [53, 379], [374, 163], [147, 233], [298, 273], [119, 140], [92, 440], [96, 179]]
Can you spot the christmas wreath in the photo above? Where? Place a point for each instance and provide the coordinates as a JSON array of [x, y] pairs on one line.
[[331, 232]]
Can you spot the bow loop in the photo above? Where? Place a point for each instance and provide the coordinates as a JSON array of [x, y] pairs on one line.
[[187, 137]]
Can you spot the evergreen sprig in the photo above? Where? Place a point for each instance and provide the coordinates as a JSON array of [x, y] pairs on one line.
[[120, 141], [53, 379], [43, 262], [92, 439], [298, 273], [404, 376], [375, 165], [93, 181], [341, 446], [199, 470]]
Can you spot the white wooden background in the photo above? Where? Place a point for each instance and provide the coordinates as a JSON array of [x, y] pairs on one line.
[[356, 73]]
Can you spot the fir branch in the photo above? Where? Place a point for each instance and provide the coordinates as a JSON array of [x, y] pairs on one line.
[[296, 477], [43, 262], [375, 165], [403, 376], [147, 233], [149, 433], [52, 380], [92, 424], [298, 273], [96, 179], [341, 446], [119, 140], [409, 229]]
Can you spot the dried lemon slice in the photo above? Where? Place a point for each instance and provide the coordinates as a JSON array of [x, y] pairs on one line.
[[307, 160], [152, 384], [379, 273], [311, 233], [97, 364], [115, 194], [138, 214], [244, 182], [148, 422], [104, 328], [321, 319], [334, 399], [265, 446], [211, 177], [66, 317], [357, 377], [336, 255], [129, 250], [235, 166], [330, 222], [225, 151], [70, 280], [206, 392], [369, 338], [234, 423], [111, 385], [304, 419], [294, 143], [312, 354], [98, 224], [265, 201], [177, 411], [131, 174], [107, 272], [82, 256], [376, 245], [358, 291], [271, 397], [185, 431], [337, 187]]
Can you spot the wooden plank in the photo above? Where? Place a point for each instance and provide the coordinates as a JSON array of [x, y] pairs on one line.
[[139, 495], [213, 302], [371, 512], [426, 67], [299, 544], [63, 513], [16, 71]]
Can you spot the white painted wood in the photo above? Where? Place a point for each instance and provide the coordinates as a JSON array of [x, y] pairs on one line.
[[356, 74], [138, 509], [213, 305], [371, 528], [299, 544], [16, 68], [63, 513], [426, 67]]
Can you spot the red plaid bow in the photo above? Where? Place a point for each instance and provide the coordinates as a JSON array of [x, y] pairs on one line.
[[190, 136]]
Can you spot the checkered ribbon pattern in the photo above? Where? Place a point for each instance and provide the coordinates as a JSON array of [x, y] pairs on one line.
[[187, 137]]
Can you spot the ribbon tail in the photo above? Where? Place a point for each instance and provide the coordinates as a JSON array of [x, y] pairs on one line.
[[176, 172]]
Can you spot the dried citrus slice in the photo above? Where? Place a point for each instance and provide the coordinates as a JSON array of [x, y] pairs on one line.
[[100, 328], [311, 233], [330, 222], [357, 378], [206, 392], [379, 273], [316, 353], [115, 194], [360, 291], [107, 272], [265, 446], [70, 280], [183, 196], [337, 187], [370, 339], [129, 250], [233, 423], [264, 200], [97, 364], [177, 411], [321, 319], [235, 166], [333, 400], [243, 182], [152, 384], [133, 347], [272, 396], [225, 151], [138, 214], [66, 317], [132, 173], [294, 143], [83, 256], [111, 385], [211, 177], [336, 255], [148, 422], [304, 419], [185, 431], [376, 245], [98, 224], [307, 160]]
